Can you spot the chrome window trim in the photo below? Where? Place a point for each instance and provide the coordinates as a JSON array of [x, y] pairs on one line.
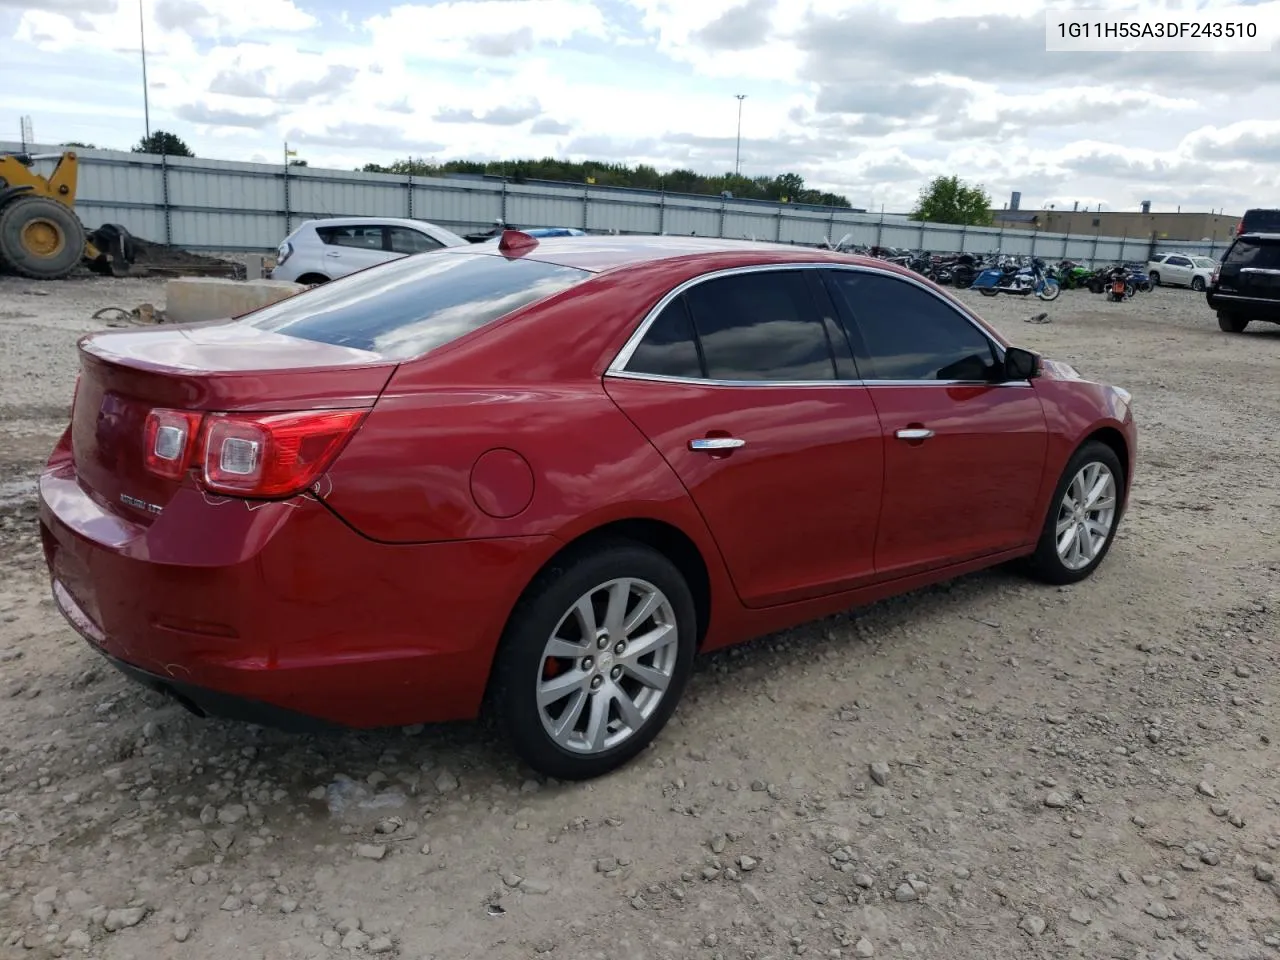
[[870, 384], [617, 368]]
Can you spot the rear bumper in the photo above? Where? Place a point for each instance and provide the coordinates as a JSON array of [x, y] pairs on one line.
[[1253, 308], [279, 610]]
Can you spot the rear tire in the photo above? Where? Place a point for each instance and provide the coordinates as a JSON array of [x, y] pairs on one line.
[[1231, 323], [1075, 522], [988, 292], [573, 693], [40, 238], [1155, 278], [312, 279]]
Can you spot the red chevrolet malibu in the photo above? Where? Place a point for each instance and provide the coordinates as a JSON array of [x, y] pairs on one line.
[[542, 475]]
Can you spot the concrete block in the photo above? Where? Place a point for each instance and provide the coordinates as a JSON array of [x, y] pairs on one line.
[[192, 299], [253, 266]]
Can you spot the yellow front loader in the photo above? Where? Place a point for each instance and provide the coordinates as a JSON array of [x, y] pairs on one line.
[[40, 235]]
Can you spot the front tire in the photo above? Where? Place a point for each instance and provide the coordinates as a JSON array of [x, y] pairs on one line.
[[1155, 278], [1049, 291], [40, 238], [594, 660], [988, 291], [1197, 284], [1083, 516]]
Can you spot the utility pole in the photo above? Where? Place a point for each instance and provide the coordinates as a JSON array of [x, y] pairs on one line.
[[737, 153], [146, 96]]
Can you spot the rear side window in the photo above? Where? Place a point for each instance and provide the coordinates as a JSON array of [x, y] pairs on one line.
[[909, 333], [760, 326], [668, 348], [411, 306], [1264, 254]]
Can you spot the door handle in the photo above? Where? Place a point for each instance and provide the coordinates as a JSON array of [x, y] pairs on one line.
[[332, 253], [716, 443], [914, 433]]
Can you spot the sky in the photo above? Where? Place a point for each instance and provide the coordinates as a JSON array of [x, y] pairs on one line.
[[868, 99]]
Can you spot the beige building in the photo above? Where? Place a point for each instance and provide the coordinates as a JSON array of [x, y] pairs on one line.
[[1109, 223]]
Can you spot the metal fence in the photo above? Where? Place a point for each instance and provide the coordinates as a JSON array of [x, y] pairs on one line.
[[225, 206]]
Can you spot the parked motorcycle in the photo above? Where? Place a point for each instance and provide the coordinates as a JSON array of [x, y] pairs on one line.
[[1116, 282], [1018, 281]]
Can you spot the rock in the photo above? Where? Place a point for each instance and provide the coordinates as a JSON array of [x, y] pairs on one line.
[[446, 782], [1205, 788], [1033, 925], [346, 925], [1211, 857], [42, 903], [223, 839], [232, 902], [199, 876], [864, 880], [1081, 916], [747, 863], [535, 887], [1219, 809], [356, 940], [126, 917], [1243, 672], [1264, 872], [906, 893], [1235, 820], [78, 901], [371, 851], [232, 813], [389, 825], [1159, 910], [863, 948], [606, 865], [1128, 876], [182, 933], [78, 940], [381, 945], [1055, 801], [880, 772]]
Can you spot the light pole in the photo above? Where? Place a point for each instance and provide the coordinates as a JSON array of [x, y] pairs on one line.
[[146, 100], [737, 152]]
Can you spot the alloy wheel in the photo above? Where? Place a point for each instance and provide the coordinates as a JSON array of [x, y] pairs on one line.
[[607, 666], [1086, 515]]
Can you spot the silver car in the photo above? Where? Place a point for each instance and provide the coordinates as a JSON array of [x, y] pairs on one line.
[[323, 250]]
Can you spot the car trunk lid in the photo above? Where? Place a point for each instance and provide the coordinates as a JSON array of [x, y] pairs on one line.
[[196, 369]]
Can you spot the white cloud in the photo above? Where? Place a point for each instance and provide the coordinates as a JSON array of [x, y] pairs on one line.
[[868, 99]]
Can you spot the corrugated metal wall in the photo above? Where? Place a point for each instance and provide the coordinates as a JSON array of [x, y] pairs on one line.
[[219, 205]]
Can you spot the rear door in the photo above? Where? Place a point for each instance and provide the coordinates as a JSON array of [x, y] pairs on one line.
[[353, 247], [746, 385], [1177, 269], [963, 457]]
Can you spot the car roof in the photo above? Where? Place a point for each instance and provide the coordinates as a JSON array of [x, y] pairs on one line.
[[598, 254], [376, 221]]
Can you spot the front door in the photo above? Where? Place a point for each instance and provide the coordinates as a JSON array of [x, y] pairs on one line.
[[963, 456], [745, 384]]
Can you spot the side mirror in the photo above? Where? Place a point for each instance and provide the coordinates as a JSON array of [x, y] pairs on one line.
[[1020, 364]]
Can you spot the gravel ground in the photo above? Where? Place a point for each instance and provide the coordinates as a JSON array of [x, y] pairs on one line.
[[988, 769]]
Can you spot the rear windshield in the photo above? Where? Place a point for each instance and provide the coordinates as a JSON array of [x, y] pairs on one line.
[[1262, 221], [411, 306], [1254, 253]]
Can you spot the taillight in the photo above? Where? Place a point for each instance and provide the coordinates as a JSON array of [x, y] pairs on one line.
[[1239, 228], [168, 441], [1216, 272], [272, 455]]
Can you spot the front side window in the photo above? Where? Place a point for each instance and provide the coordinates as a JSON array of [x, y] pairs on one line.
[[908, 333], [406, 240], [760, 326], [408, 307]]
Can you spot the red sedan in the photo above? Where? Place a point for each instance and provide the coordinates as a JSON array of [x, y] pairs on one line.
[[542, 475]]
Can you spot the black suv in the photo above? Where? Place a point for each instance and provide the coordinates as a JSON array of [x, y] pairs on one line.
[[1247, 284]]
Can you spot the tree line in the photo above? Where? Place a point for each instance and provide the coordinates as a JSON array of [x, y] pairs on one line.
[[784, 188]]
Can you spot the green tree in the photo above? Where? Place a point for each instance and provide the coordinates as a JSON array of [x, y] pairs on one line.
[[297, 162], [77, 145], [165, 143], [951, 200]]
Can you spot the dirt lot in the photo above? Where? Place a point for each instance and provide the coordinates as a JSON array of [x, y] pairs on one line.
[[1086, 772]]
